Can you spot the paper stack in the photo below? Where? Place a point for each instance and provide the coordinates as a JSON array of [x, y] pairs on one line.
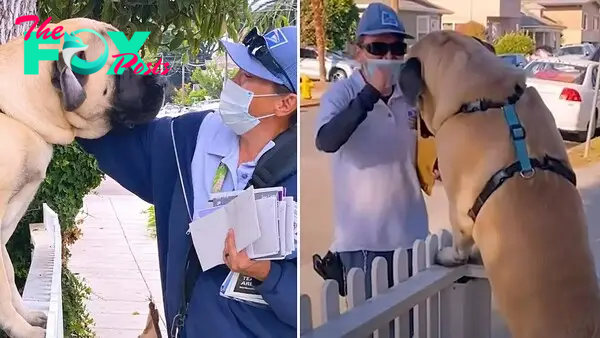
[[264, 222]]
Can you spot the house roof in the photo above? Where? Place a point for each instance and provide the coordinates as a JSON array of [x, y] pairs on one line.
[[548, 3], [421, 6], [530, 20]]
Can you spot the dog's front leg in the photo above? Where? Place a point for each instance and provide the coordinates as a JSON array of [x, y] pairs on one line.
[[11, 322], [463, 242], [35, 318]]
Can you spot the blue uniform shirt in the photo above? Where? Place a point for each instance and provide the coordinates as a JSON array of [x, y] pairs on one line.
[[143, 160]]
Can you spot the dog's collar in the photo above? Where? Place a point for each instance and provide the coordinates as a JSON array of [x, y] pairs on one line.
[[484, 104]]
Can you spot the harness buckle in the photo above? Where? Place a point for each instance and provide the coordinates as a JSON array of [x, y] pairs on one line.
[[517, 132], [527, 174]]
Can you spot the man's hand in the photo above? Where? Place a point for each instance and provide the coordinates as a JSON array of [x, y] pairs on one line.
[[379, 80], [239, 261]]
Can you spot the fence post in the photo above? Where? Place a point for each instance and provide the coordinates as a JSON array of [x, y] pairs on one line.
[[479, 308], [433, 302], [419, 265], [379, 283], [306, 323], [402, 323]]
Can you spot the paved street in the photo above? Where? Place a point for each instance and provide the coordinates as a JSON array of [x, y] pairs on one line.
[[316, 209], [115, 255]]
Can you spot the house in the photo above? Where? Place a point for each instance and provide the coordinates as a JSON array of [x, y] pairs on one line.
[[544, 30], [499, 16], [581, 18], [419, 17]]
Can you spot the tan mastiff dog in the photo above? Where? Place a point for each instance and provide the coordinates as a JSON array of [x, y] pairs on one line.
[[530, 227], [54, 107]]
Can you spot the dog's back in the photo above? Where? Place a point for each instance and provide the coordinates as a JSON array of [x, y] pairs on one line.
[[533, 238]]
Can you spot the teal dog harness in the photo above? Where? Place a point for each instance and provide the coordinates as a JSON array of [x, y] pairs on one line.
[[524, 165]]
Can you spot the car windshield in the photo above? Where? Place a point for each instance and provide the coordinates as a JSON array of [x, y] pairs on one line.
[[554, 71], [574, 50]]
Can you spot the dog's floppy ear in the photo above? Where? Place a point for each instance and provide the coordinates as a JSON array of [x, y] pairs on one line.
[[411, 81], [69, 83]]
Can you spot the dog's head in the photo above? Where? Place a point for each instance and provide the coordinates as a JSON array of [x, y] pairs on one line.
[[447, 69], [95, 103]]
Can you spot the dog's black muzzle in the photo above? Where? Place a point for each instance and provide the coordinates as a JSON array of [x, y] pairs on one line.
[[137, 98]]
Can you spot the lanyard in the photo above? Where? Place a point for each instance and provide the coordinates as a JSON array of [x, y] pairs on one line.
[[192, 268]]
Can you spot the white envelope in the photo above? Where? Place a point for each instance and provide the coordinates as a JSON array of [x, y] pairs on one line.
[[209, 232], [268, 243]]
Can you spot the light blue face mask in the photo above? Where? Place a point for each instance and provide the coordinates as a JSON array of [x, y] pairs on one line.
[[233, 108], [391, 67]]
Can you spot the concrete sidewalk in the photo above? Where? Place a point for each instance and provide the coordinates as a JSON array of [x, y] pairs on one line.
[[114, 256]]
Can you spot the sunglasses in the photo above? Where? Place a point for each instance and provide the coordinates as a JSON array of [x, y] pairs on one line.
[[382, 48], [258, 49]]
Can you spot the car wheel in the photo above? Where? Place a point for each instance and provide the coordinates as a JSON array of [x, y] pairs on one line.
[[582, 136], [337, 74]]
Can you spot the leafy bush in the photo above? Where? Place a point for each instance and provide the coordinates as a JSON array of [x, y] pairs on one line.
[[515, 43], [151, 221], [71, 175], [472, 28], [186, 96], [211, 78], [341, 19]]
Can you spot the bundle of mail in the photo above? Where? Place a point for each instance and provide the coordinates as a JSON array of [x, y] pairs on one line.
[[265, 224]]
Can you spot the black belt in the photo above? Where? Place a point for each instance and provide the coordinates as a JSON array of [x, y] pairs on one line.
[[496, 181]]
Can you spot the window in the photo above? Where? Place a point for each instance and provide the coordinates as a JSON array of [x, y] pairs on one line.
[[559, 72], [448, 26], [306, 53], [584, 23], [423, 26], [596, 23], [571, 50]]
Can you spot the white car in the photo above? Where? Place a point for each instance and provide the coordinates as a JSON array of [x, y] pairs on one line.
[[337, 65], [567, 88]]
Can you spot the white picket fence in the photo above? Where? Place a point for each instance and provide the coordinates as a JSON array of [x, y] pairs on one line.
[[43, 288], [447, 302]]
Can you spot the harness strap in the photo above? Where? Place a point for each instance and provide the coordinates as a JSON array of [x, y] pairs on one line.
[[517, 134], [496, 181]]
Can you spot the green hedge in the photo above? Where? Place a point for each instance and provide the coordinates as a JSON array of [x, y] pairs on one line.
[[71, 175], [515, 43]]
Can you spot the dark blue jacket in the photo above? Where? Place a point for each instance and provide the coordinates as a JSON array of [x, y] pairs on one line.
[[142, 160]]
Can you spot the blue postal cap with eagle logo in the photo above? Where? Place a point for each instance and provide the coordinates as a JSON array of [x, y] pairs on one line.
[[378, 19], [282, 45]]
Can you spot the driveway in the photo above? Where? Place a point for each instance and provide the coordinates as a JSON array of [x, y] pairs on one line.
[[316, 210]]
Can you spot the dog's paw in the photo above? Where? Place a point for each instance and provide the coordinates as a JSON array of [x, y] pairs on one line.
[[36, 332], [450, 258], [27, 332], [36, 318]]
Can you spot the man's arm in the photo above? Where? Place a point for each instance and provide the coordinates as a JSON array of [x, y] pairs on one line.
[[280, 290], [125, 155], [333, 134]]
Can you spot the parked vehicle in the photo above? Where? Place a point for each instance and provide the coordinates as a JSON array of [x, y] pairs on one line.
[[567, 88], [517, 60], [338, 66], [581, 50], [171, 109]]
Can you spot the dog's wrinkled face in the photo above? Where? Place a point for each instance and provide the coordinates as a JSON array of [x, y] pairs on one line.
[[439, 73], [97, 102]]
